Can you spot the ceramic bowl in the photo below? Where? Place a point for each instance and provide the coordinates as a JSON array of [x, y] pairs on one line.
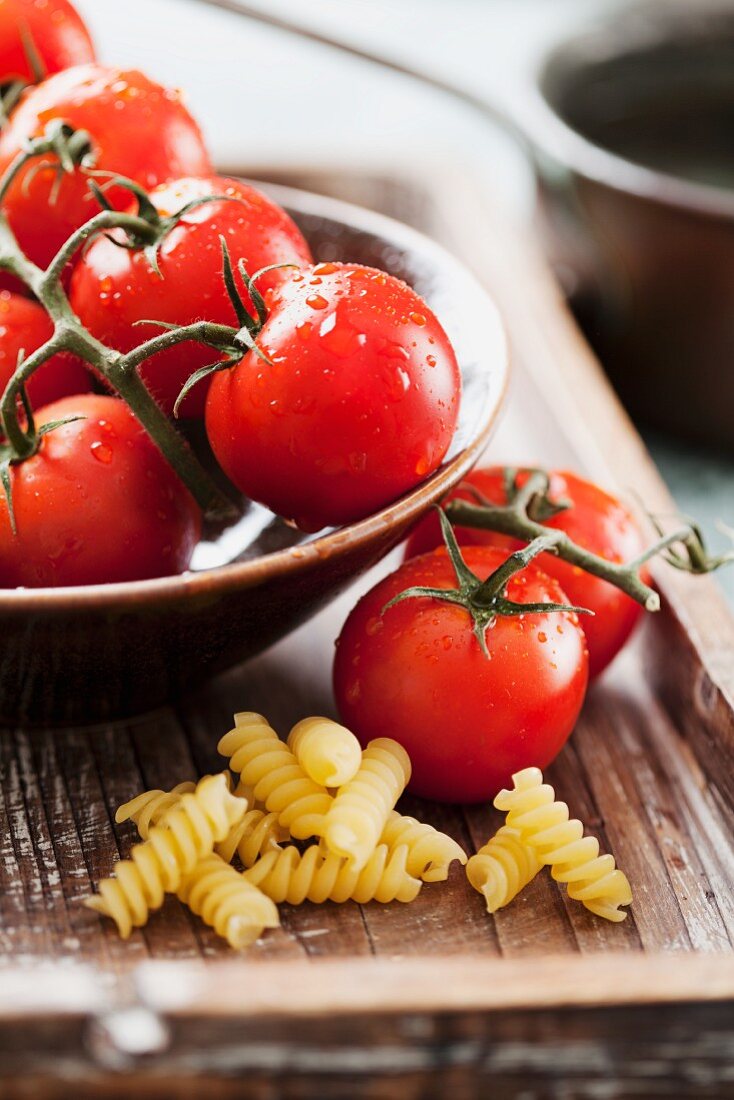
[[106, 651]]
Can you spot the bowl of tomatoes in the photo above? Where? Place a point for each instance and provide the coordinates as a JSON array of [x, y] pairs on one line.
[[219, 403], [75, 652]]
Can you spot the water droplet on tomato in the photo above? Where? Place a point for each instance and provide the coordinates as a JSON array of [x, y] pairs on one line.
[[102, 452], [316, 301], [431, 360], [542, 637], [418, 319], [304, 330], [325, 269], [340, 337], [374, 625]]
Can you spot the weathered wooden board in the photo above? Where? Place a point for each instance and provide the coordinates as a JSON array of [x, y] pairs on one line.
[[435, 998]]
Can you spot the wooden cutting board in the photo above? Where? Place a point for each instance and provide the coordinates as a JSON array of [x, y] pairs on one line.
[[434, 999]]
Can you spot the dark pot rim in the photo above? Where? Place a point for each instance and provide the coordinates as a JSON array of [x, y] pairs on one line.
[[334, 544], [551, 135]]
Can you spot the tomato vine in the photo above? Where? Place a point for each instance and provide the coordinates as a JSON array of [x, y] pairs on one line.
[[70, 150]]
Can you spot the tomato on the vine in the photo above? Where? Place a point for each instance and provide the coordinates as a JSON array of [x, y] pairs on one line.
[[416, 672], [137, 128], [357, 405], [112, 288], [595, 520], [24, 326], [97, 503], [47, 33]]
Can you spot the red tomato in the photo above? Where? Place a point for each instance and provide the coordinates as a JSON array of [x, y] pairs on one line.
[[596, 521], [417, 673], [96, 503], [112, 288], [26, 325], [52, 29], [358, 405], [138, 129]]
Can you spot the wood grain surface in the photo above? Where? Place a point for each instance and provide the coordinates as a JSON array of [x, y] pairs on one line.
[[433, 998]]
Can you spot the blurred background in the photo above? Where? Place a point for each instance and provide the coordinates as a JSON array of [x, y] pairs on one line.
[[270, 101]]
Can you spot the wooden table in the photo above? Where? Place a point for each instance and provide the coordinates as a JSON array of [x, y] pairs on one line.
[[434, 999]]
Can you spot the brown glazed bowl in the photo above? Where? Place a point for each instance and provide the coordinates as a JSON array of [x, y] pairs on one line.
[[106, 651], [631, 123]]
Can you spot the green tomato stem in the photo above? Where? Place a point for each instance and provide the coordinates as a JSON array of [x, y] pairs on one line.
[[511, 520]]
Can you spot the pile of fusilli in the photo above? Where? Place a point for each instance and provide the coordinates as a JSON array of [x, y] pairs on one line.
[[338, 802], [319, 788]]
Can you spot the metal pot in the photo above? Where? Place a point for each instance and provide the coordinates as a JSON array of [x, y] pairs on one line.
[[633, 130]]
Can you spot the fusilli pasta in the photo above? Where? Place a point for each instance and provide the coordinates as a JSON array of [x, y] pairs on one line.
[[148, 808], [329, 753], [502, 868], [559, 842], [430, 852], [361, 808], [227, 902], [185, 833], [267, 766], [320, 876], [257, 833]]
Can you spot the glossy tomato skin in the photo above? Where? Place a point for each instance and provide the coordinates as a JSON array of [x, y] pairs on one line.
[[138, 129], [25, 325], [597, 521], [417, 673], [97, 503], [359, 404], [112, 288], [56, 32]]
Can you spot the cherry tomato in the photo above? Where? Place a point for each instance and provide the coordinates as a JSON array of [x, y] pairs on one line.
[[416, 672], [138, 129], [50, 29], [96, 503], [357, 406], [24, 325], [597, 521], [112, 288]]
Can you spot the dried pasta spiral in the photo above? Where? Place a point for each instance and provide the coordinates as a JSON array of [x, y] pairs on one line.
[[227, 902], [329, 753], [186, 833], [289, 876], [361, 808], [265, 764], [148, 808], [574, 859], [502, 867], [430, 852], [257, 833]]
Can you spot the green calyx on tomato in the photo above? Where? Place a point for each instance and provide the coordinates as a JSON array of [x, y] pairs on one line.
[[486, 600], [72, 148], [147, 240], [244, 339]]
